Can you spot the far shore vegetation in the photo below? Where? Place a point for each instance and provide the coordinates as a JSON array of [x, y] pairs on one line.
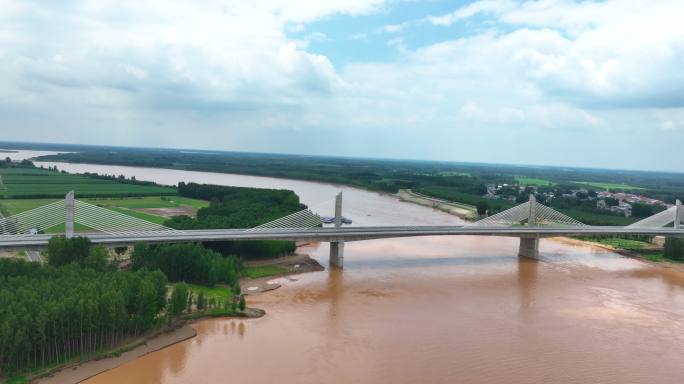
[[465, 183]]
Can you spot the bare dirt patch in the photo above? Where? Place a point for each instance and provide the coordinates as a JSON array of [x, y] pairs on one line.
[[294, 264], [170, 212], [10, 255]]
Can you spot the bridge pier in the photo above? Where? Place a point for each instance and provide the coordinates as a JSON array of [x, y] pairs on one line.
[[679, 215], [337, 254], [529, 247], [337, 247], [69, 221]]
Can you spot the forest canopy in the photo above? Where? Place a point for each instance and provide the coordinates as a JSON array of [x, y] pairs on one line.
[[236, 207], [51, 314]]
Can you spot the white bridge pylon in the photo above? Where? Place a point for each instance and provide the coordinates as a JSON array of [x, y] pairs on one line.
[[532, 213], [673, 215]]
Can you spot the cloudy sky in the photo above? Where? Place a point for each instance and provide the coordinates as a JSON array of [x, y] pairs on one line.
[[586, 83]]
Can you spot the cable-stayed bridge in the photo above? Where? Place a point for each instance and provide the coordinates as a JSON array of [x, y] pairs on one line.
[[529, 222]]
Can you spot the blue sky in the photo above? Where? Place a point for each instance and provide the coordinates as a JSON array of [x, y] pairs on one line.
[[557, 82]]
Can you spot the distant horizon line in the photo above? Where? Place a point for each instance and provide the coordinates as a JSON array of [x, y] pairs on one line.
[[225, 151]]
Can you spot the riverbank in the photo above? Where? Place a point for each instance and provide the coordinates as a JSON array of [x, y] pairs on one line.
[[623, 252], [269, 270], [80, 371], [464, 211], [77, 372]]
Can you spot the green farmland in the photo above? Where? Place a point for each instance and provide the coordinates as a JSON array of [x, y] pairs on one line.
[[131, 206], [607, 186], [26, 182], [523, 180]]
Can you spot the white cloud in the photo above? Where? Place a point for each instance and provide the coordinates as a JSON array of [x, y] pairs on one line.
[[671, 119], [394, 28], [470, 10], [599, 54], [549, 72]]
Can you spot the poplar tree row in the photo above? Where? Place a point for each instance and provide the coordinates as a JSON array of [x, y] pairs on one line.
[[51, 314]]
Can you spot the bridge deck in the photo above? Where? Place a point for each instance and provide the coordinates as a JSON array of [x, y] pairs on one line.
[[334, 234]]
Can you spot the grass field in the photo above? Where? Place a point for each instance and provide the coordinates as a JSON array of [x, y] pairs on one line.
[[264, 270], [26, 182], [642, 248], [523, 180], [606, 186], [451, 173], [125, 205], [216, 292]]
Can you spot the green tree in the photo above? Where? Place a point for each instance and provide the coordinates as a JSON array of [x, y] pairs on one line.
[[243, 304], [97, 258], [62, 251], [482, 208], [200, 301], [674, 248], [179, 299], [641, 210], [140, 252]]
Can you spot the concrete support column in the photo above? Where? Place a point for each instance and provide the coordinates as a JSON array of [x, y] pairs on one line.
[[679, 215], [337, 254], [69, 220], [337, 247], [529, 247]]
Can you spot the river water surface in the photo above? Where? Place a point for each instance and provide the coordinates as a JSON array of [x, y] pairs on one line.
[[432, 309]]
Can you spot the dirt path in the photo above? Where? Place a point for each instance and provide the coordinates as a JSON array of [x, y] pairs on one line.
[[455, 209]]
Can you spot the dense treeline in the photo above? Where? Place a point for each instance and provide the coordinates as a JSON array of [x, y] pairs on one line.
[[674, 248], [236, 207], [78, 250], [190, 263], [51, 314], [375, 174]]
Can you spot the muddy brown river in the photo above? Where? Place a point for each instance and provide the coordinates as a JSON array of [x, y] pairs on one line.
[[432, 310]]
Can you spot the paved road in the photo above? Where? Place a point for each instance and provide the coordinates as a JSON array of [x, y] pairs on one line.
[[334, 234], [33, 255]]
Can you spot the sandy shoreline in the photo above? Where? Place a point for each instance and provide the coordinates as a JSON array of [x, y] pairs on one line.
[[78, 372], [662, 264]]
